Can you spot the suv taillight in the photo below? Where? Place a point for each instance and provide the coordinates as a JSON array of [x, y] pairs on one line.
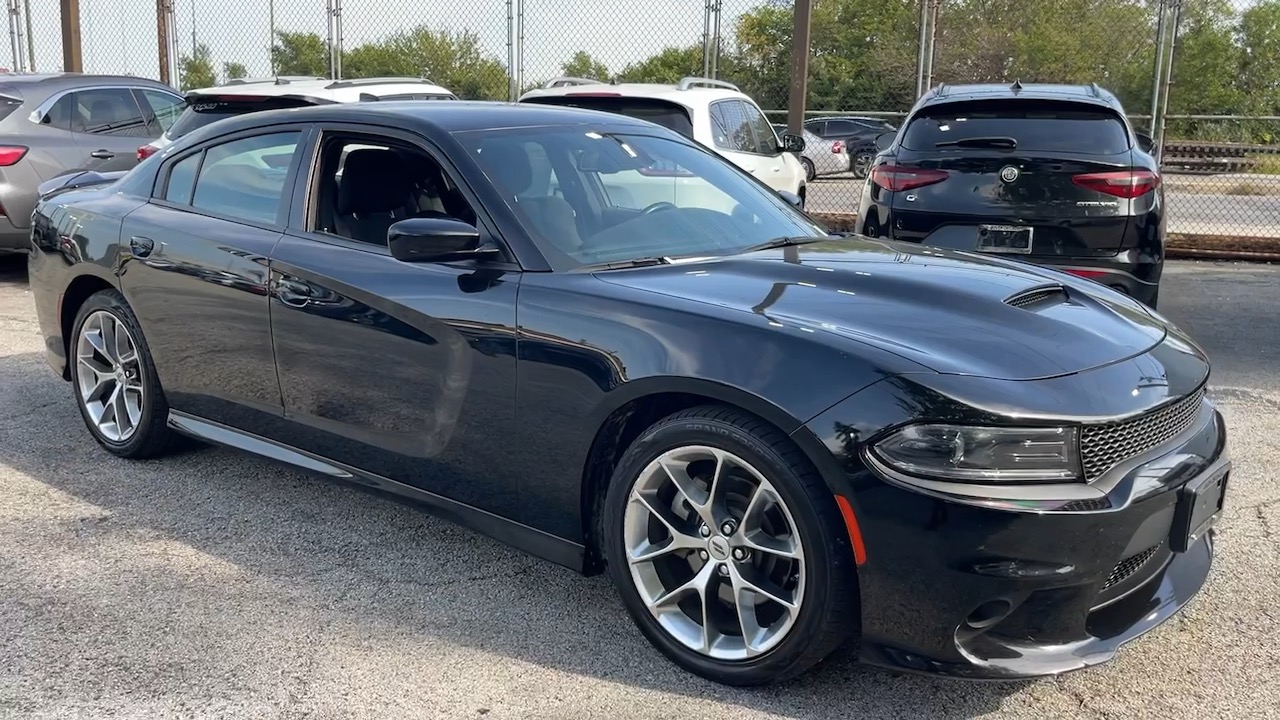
[[1126, 184], [146, 151], [11, 154], [895, 178]]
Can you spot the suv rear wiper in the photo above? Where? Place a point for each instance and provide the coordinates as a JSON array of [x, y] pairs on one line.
[[632, 263], [996, 142], [785, 241]]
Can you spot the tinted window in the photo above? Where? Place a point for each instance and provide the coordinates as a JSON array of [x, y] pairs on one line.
[[8, 105], [163, 107], [181, 179], [105, 111], [841, 127], [766, 141], [669, 115], [1035, 126], [730, 128], [245, 178], [698, 203], [201, 111]]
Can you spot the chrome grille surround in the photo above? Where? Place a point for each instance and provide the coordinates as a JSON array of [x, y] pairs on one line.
[[1104, 445]]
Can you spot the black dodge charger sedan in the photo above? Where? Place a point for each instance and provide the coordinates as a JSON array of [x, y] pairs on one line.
[[593, 339], [1048, 174]]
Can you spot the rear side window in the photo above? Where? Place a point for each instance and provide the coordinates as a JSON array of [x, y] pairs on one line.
[[669, 115], [240, 179], [8, 105], [1034, 126], [205, 110]]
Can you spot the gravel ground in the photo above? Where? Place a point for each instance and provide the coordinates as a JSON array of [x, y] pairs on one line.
[[218, 585]]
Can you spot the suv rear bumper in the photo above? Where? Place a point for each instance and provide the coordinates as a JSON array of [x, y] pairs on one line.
[[1139, 280]]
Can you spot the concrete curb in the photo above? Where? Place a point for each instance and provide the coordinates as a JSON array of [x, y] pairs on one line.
[[1178, 246]]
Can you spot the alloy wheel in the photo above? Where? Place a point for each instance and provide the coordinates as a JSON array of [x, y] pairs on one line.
[[714, 553], [109, 377]]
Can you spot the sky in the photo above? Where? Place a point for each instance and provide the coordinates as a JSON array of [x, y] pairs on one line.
[[120, 36]]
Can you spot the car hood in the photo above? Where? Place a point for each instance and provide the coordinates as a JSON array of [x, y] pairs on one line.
[[951, 312]]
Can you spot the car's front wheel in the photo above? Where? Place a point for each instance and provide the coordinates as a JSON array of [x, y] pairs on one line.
[[809, 171], [115, 382], [728, 549]]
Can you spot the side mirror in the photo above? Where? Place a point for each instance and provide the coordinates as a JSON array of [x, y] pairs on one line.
[[1145, 142], [433, 240], [884, 140], [795, 200], [792, 143]]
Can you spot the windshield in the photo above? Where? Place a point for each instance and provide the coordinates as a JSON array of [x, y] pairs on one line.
[[590, 197], [1032, 126]]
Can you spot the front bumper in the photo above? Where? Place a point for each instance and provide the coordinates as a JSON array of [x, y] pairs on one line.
[[1006, 589]]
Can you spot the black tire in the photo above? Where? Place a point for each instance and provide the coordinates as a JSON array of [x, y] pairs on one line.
[[829, 614], [1154, 302], [152, 436], [861, 165], [809, 172]]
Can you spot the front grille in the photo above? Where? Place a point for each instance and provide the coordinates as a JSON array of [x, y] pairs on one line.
[[1104, 445], [1128, 566]]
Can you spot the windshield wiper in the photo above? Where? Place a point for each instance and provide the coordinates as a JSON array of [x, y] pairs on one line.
[[784, 241], [996, 142], [632, 263]]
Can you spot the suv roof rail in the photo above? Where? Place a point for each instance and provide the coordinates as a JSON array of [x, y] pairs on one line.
[[691, 81], [357, 82], [1095, 90], [275, 80], [941, 90], [566, 80]]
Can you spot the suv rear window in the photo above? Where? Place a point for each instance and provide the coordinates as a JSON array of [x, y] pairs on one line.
[[203, 110], [667, 114], [1036, 126]]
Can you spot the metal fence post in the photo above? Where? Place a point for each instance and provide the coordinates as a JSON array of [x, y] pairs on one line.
[[1158, 134], [799, 65]]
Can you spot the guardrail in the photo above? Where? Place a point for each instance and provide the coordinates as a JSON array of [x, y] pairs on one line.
[[1213, 158]]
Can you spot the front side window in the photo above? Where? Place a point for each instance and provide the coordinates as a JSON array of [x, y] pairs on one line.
[[164, 109], [766, 142], [731, 129], [632, 195], [107, 111], [243, 178]]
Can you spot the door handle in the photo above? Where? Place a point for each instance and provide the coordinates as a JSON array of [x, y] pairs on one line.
[[102, 154], [292, 293], [141, 246]]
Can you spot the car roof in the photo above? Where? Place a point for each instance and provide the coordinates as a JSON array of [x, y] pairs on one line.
[[21, 83], [1090, 94], [446, 117], [689, 91], [323, 88]]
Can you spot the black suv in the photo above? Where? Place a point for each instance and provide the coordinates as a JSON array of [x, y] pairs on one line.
[[1049, 174]]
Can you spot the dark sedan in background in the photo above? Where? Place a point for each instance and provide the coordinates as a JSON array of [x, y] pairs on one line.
[[775, 440], [66, 122], [1049, 174]]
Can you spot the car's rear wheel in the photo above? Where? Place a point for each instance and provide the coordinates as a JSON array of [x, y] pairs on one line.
[[861, 165], [728, 550], [115, 381], [809, 171]]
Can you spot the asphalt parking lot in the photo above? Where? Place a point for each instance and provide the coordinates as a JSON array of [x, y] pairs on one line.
[[216, 585]]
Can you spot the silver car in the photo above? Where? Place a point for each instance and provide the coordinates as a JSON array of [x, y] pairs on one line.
[[820, 157]]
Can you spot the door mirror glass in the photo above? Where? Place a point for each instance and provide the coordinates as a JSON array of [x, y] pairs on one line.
[[792, 143], [433, 240], [884, 140]]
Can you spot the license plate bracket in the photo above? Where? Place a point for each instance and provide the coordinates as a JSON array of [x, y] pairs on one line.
[[1005, 239], [1200, 505]]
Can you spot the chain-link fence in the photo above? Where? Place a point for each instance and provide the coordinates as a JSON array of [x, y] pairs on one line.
[[1203, 71]]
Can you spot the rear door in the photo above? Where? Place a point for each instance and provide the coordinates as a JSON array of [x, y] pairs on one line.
[[1018, 176]]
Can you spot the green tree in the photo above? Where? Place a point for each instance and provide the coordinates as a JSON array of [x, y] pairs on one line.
[[234, 71], [299, 53], [667, 66], [454, 60], [584, 66], [196, 70]]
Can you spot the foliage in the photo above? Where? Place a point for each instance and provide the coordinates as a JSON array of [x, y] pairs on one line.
[[583, 65], [234, 71], [196, 70]]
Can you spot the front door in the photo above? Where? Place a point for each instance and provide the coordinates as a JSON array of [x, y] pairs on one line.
[[196, 273], [108, 126], [404, 370], [743, 135]]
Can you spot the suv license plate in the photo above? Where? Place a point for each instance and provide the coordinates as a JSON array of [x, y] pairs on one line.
[[1004, 239]]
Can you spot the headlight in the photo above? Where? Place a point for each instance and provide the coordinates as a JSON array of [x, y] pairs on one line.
[[983, 454]]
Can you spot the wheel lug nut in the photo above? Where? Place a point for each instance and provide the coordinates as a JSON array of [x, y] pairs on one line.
[[728, 527], [702, 554], [704, 531], [723, 569], [739, 554]]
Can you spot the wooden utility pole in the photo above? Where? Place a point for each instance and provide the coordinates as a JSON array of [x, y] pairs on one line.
[[72, 59], [162, 39], [799, 66]]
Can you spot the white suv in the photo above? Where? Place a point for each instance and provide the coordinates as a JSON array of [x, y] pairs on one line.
[[207, 105], [712, 112]]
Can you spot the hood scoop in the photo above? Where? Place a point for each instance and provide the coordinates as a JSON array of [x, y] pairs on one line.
[[1038, 297]]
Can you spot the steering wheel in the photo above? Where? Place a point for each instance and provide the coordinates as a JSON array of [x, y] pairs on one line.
[[659, 207]]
